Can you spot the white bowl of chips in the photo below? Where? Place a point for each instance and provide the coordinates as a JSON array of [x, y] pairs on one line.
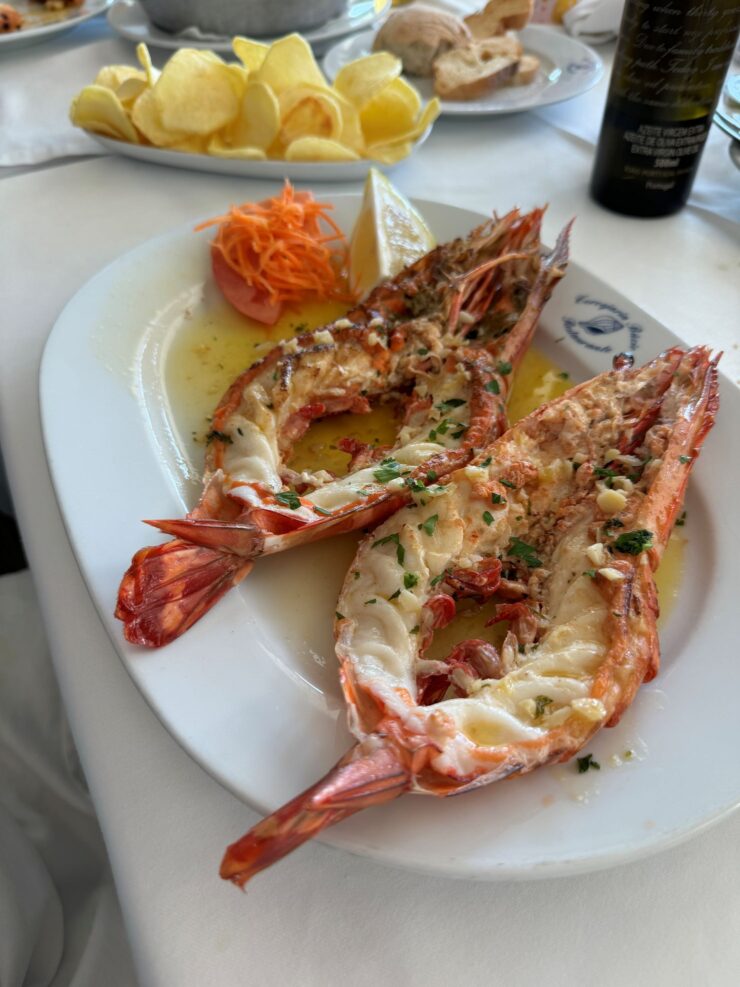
[[260, 18], [273, 105]]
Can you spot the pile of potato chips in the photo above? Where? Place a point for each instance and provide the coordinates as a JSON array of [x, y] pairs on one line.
[[275, 103]]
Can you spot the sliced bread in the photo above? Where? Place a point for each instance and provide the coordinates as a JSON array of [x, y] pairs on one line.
[[473, 71], [498, 16], [529, 66]]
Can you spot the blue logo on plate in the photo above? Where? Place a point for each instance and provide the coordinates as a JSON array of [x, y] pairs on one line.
[[602, 327]]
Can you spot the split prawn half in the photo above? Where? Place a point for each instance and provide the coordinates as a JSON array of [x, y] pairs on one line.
[[441, 339], [558, 529]]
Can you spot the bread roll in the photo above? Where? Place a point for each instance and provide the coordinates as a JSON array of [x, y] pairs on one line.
[[529, 66], [417, 35]]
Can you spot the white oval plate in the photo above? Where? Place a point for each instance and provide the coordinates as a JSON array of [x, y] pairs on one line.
[[129, 19], [43, 25], [297, 171], [251, 690], [567, 69]]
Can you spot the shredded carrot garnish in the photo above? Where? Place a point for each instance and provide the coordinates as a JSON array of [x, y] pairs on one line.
[[287, 247]]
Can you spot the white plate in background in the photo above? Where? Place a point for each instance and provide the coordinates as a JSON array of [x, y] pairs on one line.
[[567, 69], [129, 20]]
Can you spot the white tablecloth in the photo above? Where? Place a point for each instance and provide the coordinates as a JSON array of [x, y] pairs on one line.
[[324, 917]]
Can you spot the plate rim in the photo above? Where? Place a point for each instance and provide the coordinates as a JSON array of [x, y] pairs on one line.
[[223, 44], [454, 867], [57, 27], [270, 168], [452, 108]]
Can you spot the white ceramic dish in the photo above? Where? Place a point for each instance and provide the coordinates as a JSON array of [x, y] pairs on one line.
[[43, 26], [251, 690], [567, 69], [128, 19], [297, 171]]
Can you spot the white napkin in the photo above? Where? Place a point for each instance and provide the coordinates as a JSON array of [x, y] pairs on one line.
[[594, 21], [36, 88]]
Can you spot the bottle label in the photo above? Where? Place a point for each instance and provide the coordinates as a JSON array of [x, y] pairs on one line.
[[673, 53], [661, 155]]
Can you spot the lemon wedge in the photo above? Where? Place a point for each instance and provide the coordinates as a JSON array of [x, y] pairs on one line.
[[389, 234]]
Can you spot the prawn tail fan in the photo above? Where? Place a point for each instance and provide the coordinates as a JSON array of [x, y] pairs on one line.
[[167, 588], [367, 775]]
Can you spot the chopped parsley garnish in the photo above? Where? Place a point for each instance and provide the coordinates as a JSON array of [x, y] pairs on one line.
[[612, 523], [392, 540], [431, 476], [451, 403], [486, 462], [394, 596], [497, 499], [368, 602], [460, 432], [492, 387], [422, 351], [429, 525], [519, 549], [389, 469], [289, 498], [540, 704], [605, 474], [321, 510], [437, 579], [586, 762], [410, 579], [509, 484], [416, 486], [239, 430], [681, 520], [221, 436], [591, 573], [356, 574], [444, 426], [338, 615], [684, 459], [564, 375], [488, 517], [634, 542], [414, 630], [503, 367]]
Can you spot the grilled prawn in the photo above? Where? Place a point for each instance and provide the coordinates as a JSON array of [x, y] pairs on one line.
[[441, 339], [557, 528]]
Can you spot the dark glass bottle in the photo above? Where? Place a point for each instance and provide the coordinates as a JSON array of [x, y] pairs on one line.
[[671, 60]]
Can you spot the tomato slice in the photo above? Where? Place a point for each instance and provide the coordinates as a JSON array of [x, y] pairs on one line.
[[245, 299]]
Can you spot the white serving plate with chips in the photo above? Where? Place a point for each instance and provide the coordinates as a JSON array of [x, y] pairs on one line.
[[43, 25], [567, 68], [297, 171], [251, 690], [129, 20]]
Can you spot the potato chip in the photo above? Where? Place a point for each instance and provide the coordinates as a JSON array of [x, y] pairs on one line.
[[194, 94], [391, 112], [239, 78], [290, 63], [351, 134], [250, 53], [113, 76], [362, 79], [220, 149], [319, 149], [98, 109], [191, 145], [130, 90], [307, 111], [391, 152], [146, 118], [259, 118], [145, 60]]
